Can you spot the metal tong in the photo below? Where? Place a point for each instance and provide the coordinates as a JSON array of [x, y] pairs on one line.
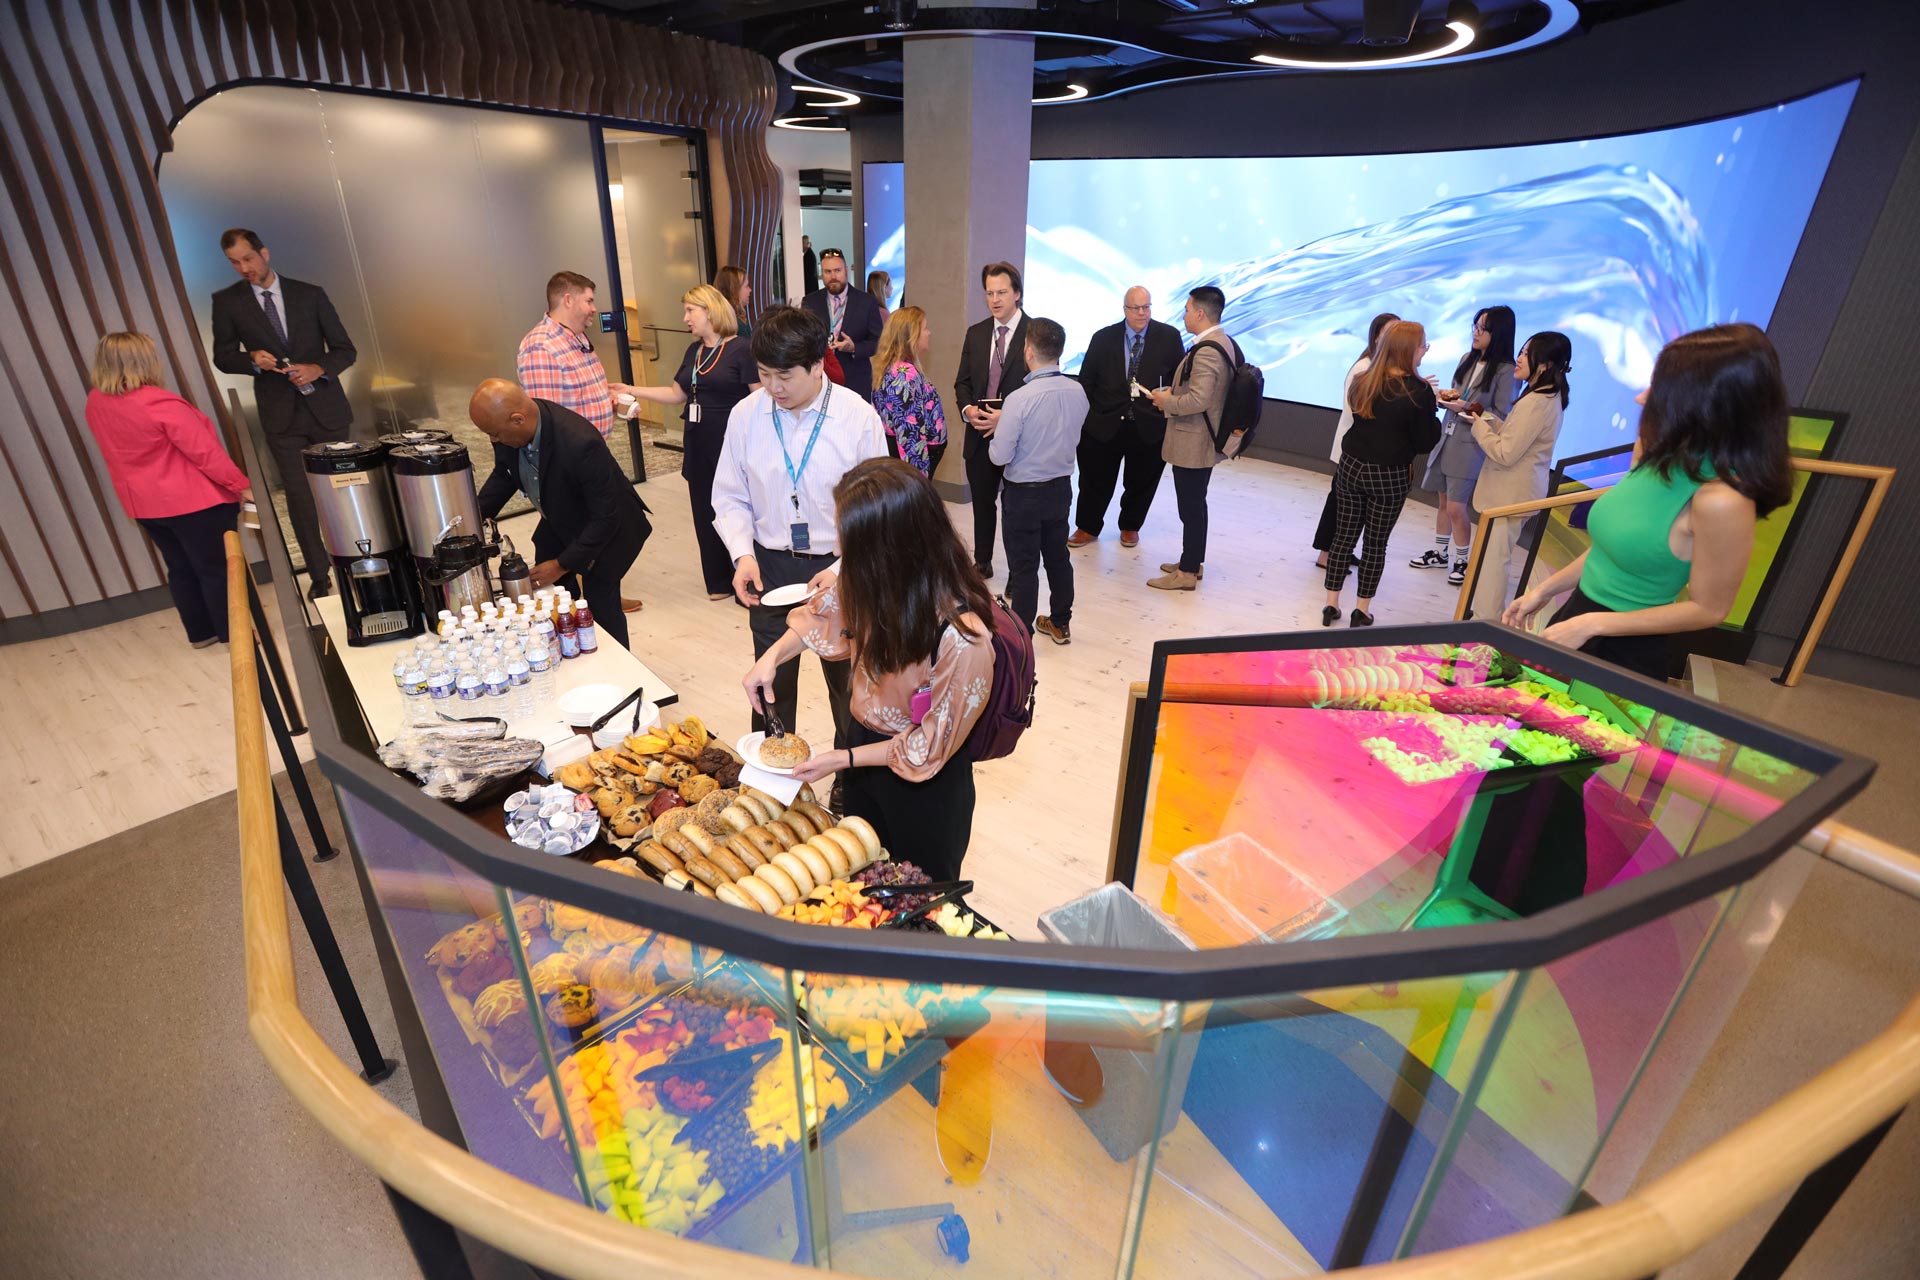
[[774, 728], [960, 889], [617, 708]]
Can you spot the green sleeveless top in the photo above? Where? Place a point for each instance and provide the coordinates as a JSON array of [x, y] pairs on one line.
[[1629, 565]]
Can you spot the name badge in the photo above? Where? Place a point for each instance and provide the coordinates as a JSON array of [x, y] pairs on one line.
[[693, 411], [802, 541]]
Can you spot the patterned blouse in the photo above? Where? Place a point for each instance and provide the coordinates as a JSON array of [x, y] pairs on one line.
[[909, 406], [960, 678]]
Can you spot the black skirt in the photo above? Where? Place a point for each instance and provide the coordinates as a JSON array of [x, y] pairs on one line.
[[1650, 656], [926, 823]]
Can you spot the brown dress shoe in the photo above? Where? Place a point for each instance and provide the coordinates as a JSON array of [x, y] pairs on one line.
[[1175, 568], [1080, 538], [1129, 537], [630, 605], [1175, 581]]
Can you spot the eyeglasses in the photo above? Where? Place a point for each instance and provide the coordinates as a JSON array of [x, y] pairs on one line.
[[1480, 328], [1138, 306]]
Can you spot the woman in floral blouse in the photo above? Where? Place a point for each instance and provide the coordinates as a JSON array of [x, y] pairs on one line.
[[909, 404], [910, 610]]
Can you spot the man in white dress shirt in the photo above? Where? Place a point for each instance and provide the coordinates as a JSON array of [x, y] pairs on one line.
[[787, 446]]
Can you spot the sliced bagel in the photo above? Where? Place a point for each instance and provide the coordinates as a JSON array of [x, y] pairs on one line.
[[848, 843], [724, 858], [761, 892], [802, 878], [816, 815], [739, 816], [704, 872], [803, 826], [698, 836], [762, 809], [782, 883], [703, 890], [734, 898], [658, 857], [763, 843], [740, 847], [836, 857], [783, 835], [816, 862], [863, 832]]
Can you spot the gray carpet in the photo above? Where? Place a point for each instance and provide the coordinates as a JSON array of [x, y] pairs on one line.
[[143, 1133]]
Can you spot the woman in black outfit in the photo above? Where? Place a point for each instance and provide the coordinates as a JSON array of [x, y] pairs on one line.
[[1394, 422], [716, 374], [1323, 532]]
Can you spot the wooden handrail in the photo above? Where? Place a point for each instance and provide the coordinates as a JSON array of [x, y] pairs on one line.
[[1512, 509], [1649, 1230], [1870, 856]]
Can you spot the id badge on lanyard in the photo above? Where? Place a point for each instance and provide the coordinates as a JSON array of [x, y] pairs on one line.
[[800, 539]]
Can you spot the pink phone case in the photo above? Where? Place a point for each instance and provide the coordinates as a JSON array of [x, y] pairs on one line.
[[920, 703]]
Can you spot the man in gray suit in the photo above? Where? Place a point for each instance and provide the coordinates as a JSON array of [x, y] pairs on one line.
[[288, 336]]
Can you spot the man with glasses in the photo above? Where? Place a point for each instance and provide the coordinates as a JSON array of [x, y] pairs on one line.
[[852, 318], [1122, 428]]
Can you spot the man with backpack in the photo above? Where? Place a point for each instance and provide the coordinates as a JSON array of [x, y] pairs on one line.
[[1213, 403]]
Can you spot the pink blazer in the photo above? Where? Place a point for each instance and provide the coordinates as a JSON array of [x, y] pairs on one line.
[[164, 456]]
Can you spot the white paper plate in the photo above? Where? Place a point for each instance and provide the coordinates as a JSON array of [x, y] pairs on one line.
[[588, 703], [749, 749], [789, 596]]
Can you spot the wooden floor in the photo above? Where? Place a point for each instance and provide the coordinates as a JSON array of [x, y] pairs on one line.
[[108, 729]]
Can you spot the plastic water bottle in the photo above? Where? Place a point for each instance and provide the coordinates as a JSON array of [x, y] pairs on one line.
[[467, 684], [400, 664], [540, 675], [439, 684], [519, 682], [416, 705], [493, 678]]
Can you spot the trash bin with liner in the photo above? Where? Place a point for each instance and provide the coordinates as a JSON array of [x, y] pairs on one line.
[[1104, 1053]]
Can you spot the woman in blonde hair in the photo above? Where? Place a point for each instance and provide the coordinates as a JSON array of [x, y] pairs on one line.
[[172, 474], [906, 400], [1395, 420], [715, 374]]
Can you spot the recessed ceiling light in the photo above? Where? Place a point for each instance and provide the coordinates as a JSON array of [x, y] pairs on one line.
[[1462, 37], [1074, 93], [801, 123], [834, 98]]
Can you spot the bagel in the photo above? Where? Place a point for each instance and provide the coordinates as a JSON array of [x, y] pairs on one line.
[[739, 848], [846, 842], [816, 815], [762, 842], [803, 826], [705, 872], [782, 834], [703, 890], [762, 894], [734, 898], [674, 844], [696, 835], [863, 831], [677, 880], [836, 858], [723, 858], [783, 885], [817, 864], [738, 816], [757, 805], [658, 856], [763, 798], [802, 878]]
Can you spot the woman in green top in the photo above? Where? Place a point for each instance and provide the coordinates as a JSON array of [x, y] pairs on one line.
[[1710, 462]]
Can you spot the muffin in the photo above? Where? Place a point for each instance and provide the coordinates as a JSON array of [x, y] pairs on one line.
[[571, 1007]]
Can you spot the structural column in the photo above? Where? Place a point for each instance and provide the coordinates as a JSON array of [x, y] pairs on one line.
[[968, 134]]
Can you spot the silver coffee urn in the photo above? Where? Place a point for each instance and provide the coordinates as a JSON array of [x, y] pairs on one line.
[[434, 483], [349, 487]]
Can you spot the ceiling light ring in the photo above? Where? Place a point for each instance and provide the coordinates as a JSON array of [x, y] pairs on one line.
[[798, 124]]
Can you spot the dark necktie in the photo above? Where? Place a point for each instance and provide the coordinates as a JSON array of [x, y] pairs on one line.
[[999, 362], [280, 331], [1133, 358]]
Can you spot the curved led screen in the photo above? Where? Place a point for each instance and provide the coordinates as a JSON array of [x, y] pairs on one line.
[[1620, 242]]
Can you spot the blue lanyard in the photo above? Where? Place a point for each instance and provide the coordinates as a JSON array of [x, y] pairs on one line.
[[819, 417]]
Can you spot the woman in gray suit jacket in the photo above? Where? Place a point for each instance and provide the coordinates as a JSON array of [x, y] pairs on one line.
[[1519, 453]]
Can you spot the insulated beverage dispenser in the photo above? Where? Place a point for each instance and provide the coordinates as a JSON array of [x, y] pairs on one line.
[[349, 487], [434, 483]]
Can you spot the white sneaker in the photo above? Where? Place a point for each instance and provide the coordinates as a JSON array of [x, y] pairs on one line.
[[1431, 558]]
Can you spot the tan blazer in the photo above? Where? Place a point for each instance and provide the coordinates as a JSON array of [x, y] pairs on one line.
[[1519, 451], [1203, 391]]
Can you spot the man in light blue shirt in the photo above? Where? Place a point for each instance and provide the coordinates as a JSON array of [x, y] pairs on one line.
[[1035, 442]]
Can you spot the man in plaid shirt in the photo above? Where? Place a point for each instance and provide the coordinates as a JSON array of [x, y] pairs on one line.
[[556, 361]]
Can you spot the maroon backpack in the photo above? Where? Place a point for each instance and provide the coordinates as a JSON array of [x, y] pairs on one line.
[[1009, 709]]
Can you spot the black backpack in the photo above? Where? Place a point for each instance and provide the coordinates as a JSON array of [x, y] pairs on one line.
[[1246, 387]]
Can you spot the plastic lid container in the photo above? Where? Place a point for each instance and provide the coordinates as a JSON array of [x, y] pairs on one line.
[[1235, 890]]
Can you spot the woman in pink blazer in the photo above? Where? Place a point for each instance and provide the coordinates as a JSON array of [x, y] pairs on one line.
[[173, 476]]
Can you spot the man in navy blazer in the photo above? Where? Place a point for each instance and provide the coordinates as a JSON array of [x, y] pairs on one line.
[[287, 335], [852, 318], [1123, 428], [592, 523]]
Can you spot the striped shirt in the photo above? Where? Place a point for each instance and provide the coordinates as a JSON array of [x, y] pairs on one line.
[[557, 364]]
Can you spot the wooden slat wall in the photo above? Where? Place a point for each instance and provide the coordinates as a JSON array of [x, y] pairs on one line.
[[89, 90]]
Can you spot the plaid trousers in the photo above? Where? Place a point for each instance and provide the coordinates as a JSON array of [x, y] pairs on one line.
[[1367, 498]]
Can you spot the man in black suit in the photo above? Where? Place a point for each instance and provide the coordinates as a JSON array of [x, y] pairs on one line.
[[853, 321], [1123, 428], [592, 523], [288, 336], [993, 361], [809, 267]]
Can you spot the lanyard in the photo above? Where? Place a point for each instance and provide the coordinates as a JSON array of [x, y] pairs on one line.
[[699, 369], [819, 417]]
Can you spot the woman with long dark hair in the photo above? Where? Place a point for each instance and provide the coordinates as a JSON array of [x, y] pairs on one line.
[[1483, 376], [1393, 423], [1323, 533], [1711, 460], [732, 283], [1519, 450], [912, 613]]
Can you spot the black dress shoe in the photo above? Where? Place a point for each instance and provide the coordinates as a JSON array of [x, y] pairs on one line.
[[1360, 619], [1330, 615], [320, 587], [986, 570]]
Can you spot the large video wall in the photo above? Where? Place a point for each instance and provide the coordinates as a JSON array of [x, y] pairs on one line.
[[1620, 242]]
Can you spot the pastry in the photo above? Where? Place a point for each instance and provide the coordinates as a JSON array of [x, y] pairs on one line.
[[616, 981], [679, 773], [579, 944], [728, 774], [609, 932], [658, 857], [459, 949], [863, 832], [567, 918], [571, 1007], [724, 858], [782, 883], [501, 1014], [528, 913], [802, 878], [704, 872], [697, 788], [579, 776], [629, 821], [816, 815], [498, 1003], [815, 861], [631, 765], [785, 751], [761, 892], [607, 800], [735, 898], [712, 759], [556, 971], [484, 969]]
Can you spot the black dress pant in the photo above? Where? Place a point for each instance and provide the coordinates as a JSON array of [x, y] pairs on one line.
[[926, 823], [195, 553], [1190, 488], [983, 479], [1369, 497], [285, 446], [1036, 530], [783, 569], [1100, 468], [1651, 656], [703, 443], [600, 585], [1323, 532]]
